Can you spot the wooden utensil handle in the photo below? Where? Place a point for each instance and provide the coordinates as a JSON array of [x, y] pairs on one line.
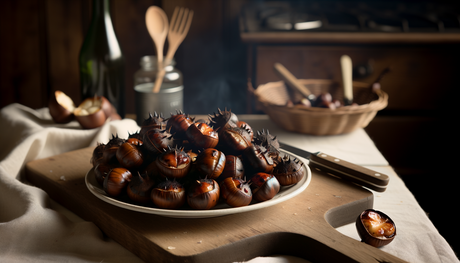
[[291, 80], [349, 171]]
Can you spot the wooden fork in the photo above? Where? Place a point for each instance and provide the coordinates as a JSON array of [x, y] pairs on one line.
[[178, 29]]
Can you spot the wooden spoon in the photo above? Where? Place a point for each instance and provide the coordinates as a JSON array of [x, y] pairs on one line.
[[157, 25], [293, 82], [347, 76]]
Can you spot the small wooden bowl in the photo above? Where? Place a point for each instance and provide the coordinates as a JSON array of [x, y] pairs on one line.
[[273, 97]]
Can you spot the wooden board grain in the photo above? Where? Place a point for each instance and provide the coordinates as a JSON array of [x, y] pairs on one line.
[[302, 226]]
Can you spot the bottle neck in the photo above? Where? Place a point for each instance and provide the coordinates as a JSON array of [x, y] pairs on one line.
[[101, 8]]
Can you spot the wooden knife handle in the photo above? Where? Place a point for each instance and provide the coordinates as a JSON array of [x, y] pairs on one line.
[[349, 171]]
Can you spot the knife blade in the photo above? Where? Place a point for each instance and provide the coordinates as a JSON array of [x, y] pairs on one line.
[[337, 167]]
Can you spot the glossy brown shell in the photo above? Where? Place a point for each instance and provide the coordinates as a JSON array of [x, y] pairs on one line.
[[289, 172], [366, 235]]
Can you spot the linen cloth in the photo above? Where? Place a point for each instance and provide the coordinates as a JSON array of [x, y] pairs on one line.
[[34, 228]]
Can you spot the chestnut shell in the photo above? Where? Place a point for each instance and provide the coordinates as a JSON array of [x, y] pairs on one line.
[[203, 194], [289, 172], [367, 237]]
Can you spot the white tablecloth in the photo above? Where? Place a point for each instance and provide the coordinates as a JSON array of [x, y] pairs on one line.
[[34, 228]]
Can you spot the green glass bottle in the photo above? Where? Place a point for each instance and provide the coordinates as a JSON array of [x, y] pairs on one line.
[[101, 60]]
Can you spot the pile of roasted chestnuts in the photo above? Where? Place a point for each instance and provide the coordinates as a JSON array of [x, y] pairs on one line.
[[183, 163]]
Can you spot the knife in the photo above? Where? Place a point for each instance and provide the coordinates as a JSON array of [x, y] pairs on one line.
[[337, 167]]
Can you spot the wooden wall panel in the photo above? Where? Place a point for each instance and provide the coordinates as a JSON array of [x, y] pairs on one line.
[[64, 39], [20, 53]]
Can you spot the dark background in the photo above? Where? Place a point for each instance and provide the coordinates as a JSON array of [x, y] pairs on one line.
[[40, 42]]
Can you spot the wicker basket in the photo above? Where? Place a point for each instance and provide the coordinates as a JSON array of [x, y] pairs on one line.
[[273, 96]]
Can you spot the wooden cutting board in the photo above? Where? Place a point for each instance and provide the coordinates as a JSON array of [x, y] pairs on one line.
[[302, 226]]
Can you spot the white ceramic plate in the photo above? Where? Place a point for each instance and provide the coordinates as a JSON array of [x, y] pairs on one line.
[[221, 209]]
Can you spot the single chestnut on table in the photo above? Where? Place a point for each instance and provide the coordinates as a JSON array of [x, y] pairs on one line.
[[203, 194], [236, 192], [116, 181], [375, 228], [168, 194]]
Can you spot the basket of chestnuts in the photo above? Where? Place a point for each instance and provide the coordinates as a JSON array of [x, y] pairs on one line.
[[326, 114], [183, 163]]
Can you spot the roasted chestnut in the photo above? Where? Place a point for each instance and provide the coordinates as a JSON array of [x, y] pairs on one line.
[[101, 171], [156, 141], [222, 120], [235, 140], [154, 121], [96, 157], [202, 135], [134, 141], [289, 171], [178, 124], [245, 125], [168, 195], [257, 159], [203, 194], [233, 168], [269, 141], [264, 186], [173, 163], [116, 181], [139, 188], [129, 156], [90, 113], [236, 192], [375, 228], [210, 163], [109, 154], [61, 107]]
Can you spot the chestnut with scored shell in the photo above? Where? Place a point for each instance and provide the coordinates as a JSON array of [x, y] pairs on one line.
[[116, 181], [178, 124], [375, 228], [168, 195], [203, 194], [173, 163], [236, 192], [129, 156], [210, 163], [264, 186], [139, 188], [289, 172], [202, 135]]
